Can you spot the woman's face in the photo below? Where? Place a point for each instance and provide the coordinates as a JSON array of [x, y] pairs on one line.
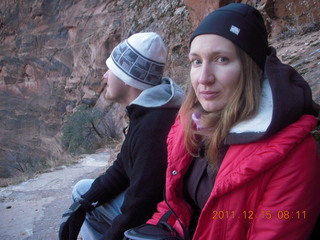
[[215, 70]]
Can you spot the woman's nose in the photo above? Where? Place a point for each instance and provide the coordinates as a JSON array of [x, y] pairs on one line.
[[206, 75]]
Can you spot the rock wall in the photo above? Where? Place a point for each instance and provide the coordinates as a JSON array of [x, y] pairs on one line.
[[52, 58]]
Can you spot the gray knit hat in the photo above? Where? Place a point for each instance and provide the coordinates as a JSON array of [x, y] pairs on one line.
[[241, 24], [139, 60]]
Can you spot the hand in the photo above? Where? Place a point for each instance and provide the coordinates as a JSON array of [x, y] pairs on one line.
[[73, 219]]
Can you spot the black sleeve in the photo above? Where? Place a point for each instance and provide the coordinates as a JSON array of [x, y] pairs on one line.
[[107, 186]]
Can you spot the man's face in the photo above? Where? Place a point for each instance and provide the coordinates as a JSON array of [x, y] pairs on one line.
[[115, 90]]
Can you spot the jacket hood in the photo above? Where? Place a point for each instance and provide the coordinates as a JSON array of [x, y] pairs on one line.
[[285, 97], [165, 95]]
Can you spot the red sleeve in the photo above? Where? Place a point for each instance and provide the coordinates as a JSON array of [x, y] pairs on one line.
[[162, 208]]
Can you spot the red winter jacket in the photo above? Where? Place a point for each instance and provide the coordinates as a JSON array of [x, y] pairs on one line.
[[264, 190]]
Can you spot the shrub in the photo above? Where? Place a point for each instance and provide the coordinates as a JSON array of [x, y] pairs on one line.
[[80, 133], [316, 134]]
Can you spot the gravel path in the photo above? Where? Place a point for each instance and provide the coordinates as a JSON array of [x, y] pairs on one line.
[[32, 210]]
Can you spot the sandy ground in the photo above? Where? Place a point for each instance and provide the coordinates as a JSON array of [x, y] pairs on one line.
[[32, 210]]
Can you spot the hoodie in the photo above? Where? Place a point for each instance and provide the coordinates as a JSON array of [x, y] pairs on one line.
[[285, 97]]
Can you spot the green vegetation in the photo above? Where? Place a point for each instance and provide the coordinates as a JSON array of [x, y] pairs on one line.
[[316, 134], [87, 129]]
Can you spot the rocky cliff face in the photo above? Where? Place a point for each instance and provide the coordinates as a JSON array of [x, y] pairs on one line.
[[52, 58]]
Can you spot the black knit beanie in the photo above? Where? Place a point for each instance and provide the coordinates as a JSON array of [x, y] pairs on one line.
[[241, 24]]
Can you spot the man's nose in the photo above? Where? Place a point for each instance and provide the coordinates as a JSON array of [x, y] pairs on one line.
[[103, 82], [105, 75]]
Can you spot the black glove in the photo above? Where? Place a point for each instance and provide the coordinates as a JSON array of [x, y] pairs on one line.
[[73, 219]]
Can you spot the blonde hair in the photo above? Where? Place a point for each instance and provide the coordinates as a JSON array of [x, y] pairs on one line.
[[243, 105]]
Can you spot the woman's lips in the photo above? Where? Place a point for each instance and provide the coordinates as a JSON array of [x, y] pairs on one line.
[[209, 95]]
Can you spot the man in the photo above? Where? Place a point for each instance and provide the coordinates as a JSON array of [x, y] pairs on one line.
[[127, 194]]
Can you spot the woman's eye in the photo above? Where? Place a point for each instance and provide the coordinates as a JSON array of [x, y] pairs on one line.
[[222, 59]]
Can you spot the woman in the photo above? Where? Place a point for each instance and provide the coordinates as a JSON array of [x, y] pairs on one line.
[[242, 163]]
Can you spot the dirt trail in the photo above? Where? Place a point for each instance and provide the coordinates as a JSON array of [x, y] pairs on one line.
[[32, 210]]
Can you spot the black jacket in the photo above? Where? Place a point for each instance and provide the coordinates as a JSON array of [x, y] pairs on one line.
[[141, 164]]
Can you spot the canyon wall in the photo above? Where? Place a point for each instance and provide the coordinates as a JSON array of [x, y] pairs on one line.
[[53, 52]]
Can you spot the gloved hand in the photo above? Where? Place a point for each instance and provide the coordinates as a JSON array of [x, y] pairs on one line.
[[73, 219]]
